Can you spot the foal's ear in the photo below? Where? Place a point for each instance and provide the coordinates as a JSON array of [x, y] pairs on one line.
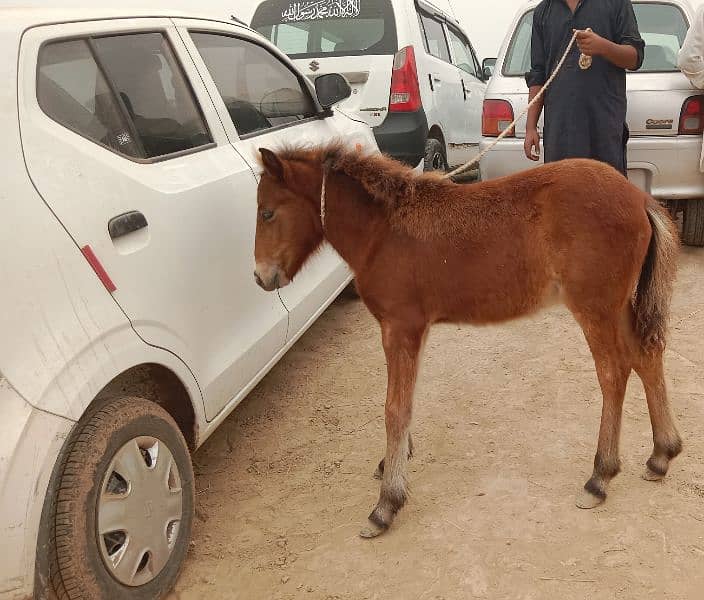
[[272, 164]]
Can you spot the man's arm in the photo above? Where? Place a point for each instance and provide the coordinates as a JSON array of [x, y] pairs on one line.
[[535, 79], [691, 57], [627, 48], [531, 145], [624, 56]]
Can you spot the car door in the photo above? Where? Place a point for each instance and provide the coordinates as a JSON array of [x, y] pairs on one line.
[[473, 90], [124, 145], [244, 75], [447, 87]]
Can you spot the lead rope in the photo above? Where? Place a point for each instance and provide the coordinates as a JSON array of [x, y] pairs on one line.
[[584, 63], [322, 199]]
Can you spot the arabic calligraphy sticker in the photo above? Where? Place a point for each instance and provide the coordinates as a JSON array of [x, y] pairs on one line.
[[313, 10]]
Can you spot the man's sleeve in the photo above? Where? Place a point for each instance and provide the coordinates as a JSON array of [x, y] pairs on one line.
[[538, 70], [691, 57], [627, 30]]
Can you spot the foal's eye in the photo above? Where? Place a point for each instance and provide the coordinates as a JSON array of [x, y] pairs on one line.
[[267, 215]]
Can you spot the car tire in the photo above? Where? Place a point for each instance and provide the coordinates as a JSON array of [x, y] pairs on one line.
[[693, 223], [125, 477], [435, 159]]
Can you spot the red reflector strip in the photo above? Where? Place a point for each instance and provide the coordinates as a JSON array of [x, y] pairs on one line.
[[98, 268]]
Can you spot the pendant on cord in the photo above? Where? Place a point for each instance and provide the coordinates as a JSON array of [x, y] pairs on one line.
[[585, 61]]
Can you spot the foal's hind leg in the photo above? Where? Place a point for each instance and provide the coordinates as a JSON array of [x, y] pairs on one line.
[[612, 359], [666, 441], [402, 344]]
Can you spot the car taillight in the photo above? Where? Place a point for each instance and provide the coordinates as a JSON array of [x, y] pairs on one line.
[[405, 91], [497, 116], [692, 116]]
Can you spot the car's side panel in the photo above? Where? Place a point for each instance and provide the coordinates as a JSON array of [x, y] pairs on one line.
[[322, 276], [184, 281], [60, 327], [473, 98]]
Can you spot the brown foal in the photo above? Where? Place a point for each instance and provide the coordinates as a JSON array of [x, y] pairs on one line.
[[425, 250]]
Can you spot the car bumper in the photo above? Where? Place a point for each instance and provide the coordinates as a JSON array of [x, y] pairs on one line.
[[402, 136], [667, 168], [30, 441]]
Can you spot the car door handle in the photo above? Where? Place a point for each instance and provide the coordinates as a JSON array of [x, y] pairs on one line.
[[126, 223]]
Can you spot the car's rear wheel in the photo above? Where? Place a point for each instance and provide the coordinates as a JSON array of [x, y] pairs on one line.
[[124, 505], [693, 223], [435, 159]]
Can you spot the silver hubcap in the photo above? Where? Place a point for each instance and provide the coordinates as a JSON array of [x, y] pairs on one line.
[[139, 511]]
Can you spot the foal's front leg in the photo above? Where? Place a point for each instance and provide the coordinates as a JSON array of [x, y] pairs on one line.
[[402, 344], [379, 472]]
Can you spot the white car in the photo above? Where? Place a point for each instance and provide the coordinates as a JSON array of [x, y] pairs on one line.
[[665, 113], [414, 74], [131, 323]]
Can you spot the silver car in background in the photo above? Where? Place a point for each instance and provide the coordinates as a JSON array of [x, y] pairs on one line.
[[665, 113]]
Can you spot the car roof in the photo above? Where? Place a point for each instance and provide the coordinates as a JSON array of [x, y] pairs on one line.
[[20, 18]]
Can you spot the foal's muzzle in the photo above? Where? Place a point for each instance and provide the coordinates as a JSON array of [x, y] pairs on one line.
[[270, 278]]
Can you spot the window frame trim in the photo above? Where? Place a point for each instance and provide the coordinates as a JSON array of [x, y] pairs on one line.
[[468, 45], [423, 14], [88, 39], [303, 81]]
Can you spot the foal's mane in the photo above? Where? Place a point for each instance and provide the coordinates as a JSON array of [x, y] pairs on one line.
[[422, 205]]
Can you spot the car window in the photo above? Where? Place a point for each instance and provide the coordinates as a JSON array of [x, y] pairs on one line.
[[663, 27], [72, 91], [463, 55], [134, 98], [259, 91], [435, 41], [328, 27], [517, 61]]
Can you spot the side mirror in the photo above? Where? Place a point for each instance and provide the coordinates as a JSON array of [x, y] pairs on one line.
[[331, 88], [488, 65]]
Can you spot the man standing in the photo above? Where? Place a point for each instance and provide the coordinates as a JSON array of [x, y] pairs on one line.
[[585, 109]]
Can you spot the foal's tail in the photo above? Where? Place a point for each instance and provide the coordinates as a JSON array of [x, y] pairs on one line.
[[654, 292]]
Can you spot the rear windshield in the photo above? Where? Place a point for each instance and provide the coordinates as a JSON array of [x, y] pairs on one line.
[[328, 27], [662, 26]]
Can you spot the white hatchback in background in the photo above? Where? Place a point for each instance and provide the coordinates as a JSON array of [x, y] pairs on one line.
[[665, 113], [131, 323], [414, 74]]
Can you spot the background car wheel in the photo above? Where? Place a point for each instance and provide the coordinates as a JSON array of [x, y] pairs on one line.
[[124, 505], [435, 159], [693, 223]]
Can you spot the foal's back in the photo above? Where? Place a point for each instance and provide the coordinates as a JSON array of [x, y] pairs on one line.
[[571, 231]]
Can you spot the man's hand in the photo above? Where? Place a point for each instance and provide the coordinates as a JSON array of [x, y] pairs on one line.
[[532, 144], [592, 44], [624, 56]]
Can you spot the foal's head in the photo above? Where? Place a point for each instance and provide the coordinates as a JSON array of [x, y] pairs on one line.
[[288, 216]]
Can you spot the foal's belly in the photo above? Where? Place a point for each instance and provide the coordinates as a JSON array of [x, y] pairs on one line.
[[491, 288]]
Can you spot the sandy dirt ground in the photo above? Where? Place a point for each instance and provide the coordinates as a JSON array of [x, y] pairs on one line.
[[505, 430]]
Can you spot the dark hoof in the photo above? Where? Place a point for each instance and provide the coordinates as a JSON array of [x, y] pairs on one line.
[[650, 475], [586, 500], [372, 530]]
